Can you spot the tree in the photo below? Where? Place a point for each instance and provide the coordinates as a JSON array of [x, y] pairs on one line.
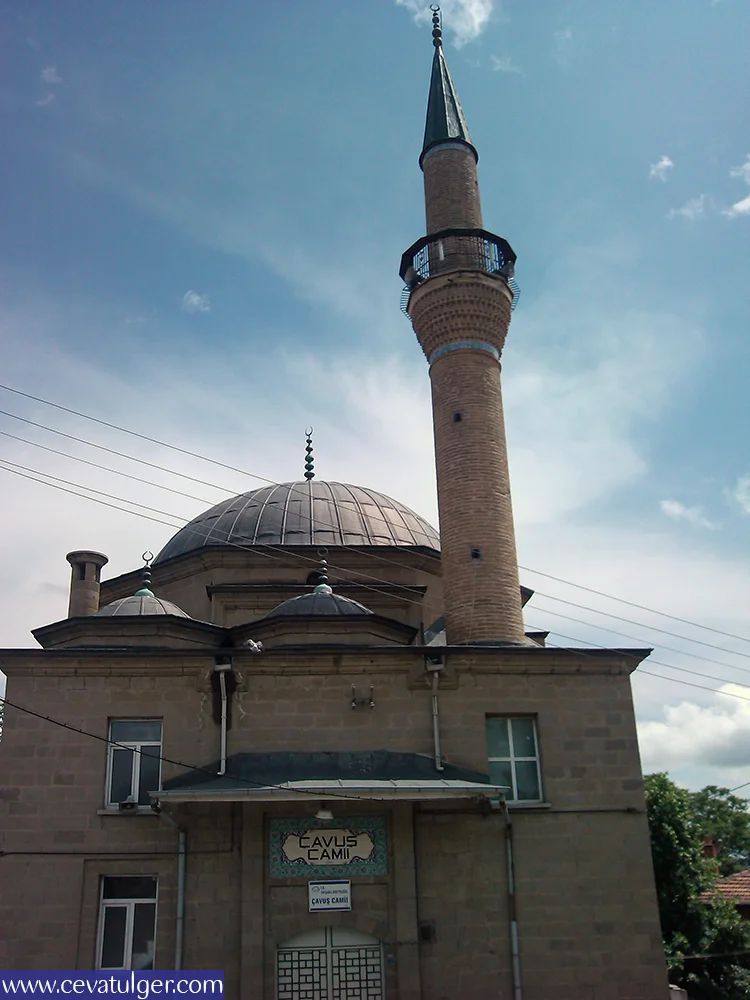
[[724, 817], [693, 924]]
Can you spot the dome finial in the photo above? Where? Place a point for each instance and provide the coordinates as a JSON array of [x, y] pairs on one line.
[[309, 464], [145, 589], [322, 587], [437, 30]]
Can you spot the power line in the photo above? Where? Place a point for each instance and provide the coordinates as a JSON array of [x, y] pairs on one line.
[[641, 607], [656, 663], [224, 489], [107, 468], [372, 555], [626, 635], [125, 510], [244, 472], [653, 628], [125, 430], [112, 451], [169, 760], [186, 526], [91, 489]]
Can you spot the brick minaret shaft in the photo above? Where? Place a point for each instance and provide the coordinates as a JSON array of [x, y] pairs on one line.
[[460, 305]]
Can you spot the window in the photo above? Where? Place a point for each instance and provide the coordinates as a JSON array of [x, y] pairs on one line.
[[514, 757], [134, 767], [127, 922]]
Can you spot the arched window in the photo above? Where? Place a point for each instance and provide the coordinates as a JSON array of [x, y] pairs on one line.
[[330, 963]]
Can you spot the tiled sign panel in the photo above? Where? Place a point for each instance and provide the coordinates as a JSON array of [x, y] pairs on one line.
[[332, 848]]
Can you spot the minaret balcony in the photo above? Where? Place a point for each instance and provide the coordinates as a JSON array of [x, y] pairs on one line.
[[458, 250]]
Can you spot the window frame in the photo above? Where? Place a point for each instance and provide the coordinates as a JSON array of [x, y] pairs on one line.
[[135, 772], [130, 904], [511, 797]]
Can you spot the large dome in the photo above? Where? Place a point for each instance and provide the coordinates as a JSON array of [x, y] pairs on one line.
[[304, 513]]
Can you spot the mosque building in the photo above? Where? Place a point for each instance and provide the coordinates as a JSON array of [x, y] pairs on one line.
[[311, 743]]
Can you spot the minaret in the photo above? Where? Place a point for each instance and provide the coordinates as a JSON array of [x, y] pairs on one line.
[[459, 303]]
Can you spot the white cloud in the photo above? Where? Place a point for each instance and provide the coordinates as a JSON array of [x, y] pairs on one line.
[[192, 302], [743, 171], [742, 493], [50, 75], [741, 207], [661, 168], [693, 515], [46, 101], [465, 19], [716, 735], [692, 210], [504, 64]]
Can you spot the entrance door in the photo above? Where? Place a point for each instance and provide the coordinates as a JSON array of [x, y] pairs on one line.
[[330, 964]]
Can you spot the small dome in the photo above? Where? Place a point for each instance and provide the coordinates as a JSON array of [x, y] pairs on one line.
[[322, 601], [140, 604], [304, 513]]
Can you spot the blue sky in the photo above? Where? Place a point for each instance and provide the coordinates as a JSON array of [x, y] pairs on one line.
[[204, 208]]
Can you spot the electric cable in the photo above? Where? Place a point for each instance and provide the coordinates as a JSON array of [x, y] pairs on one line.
[[107, 468], [626, 635], [101, 493], [186, 526], [179, 763], [312, 560], [656, 663], [632, 604], [373, 555], [654, 628], [264, 479]]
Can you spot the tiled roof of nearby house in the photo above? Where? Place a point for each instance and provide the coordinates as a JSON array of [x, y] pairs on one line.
[[735, 887]]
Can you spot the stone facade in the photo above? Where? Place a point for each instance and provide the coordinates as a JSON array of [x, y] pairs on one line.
[[586, 906]]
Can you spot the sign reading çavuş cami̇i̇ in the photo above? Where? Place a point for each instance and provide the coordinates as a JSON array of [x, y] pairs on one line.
[[352, 846], [327, 847]]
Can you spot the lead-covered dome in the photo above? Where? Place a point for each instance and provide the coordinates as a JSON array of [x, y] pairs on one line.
[[140, 604], [304, 513]]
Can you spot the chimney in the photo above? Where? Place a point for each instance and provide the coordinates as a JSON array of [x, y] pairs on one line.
[[85, 579], [710, 850]]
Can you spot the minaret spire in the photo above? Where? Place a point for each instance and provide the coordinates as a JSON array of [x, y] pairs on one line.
[[459, 304], [309, 461], [445, 118]]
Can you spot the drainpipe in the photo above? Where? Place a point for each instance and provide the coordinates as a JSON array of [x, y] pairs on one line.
[[514, 949], [181, 868], [434, 665], [222, 669]]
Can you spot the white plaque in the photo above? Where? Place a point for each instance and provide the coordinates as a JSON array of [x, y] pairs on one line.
[[330, 895]]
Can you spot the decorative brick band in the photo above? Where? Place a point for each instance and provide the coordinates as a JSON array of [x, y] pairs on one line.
[[465, 345]]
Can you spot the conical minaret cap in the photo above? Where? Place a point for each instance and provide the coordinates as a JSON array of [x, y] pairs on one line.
[[445, 118]]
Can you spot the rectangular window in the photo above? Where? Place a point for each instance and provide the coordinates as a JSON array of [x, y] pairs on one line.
[[127, 922], [133, 767], [513, 753]]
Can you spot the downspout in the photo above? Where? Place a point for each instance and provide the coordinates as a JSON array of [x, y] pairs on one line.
[[222, 670], [515, 956], [435, 665], [181, 869]]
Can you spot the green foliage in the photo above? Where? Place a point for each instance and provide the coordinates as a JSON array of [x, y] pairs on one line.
[[724, 817], [692, 923]]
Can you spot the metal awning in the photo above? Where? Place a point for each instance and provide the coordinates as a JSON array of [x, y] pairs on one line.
[[376, 790], [284, 776]]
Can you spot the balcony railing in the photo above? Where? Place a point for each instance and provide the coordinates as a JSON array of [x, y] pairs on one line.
[[457, 250]]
